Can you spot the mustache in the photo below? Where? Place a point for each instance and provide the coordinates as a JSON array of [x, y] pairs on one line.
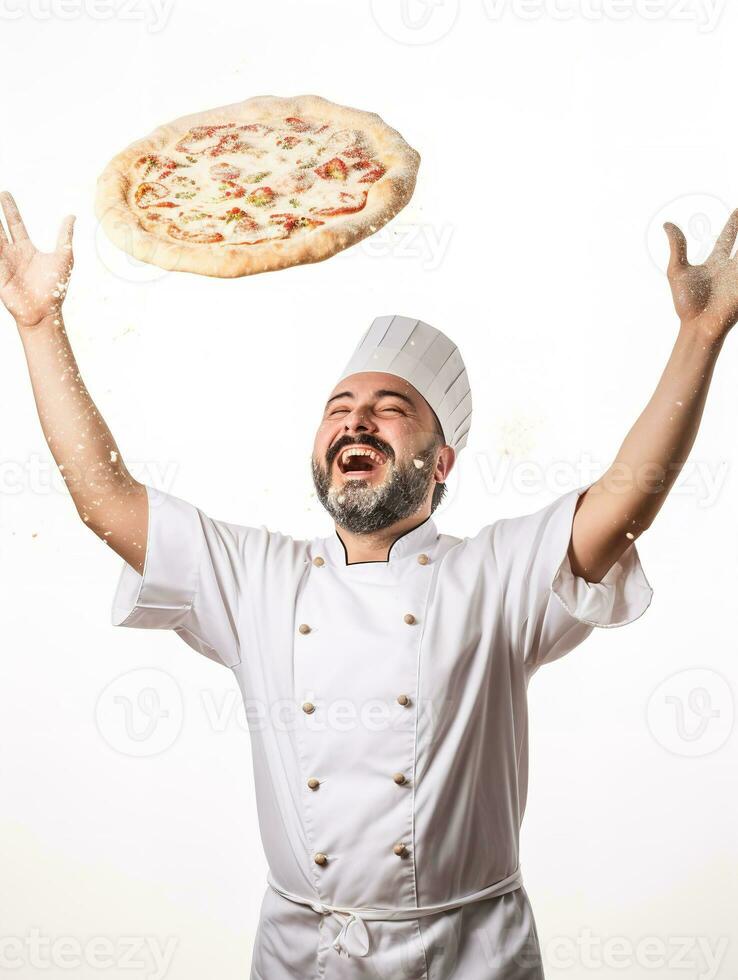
[[363, 440]]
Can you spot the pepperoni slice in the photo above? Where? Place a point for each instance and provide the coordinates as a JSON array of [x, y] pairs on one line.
[[206, 235], [230, 188], [296, 182], [201, 132], [291, 221], [334, 169], [299, 125], [225, 171], [265, 233], [377, 170], [193, 141], [350, 204], [260, 129], [355, 152], [151, 194], [261, 197], [242, 221], [152, 161], [288, 142], [348, 142], [230, 143]]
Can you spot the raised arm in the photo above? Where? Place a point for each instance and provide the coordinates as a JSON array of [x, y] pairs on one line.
[[616, 509], [33, 285]]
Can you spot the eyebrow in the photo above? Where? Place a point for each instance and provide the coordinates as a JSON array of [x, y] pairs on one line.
[[382, 393]]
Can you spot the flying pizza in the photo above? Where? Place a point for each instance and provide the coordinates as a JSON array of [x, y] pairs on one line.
[[256, 186]]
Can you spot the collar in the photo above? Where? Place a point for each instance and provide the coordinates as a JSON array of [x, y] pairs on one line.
[[414, 542]]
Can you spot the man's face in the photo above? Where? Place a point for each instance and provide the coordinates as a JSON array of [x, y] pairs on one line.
[[378, 452]]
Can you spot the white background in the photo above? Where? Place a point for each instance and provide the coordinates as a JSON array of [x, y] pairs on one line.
[[555, 140]]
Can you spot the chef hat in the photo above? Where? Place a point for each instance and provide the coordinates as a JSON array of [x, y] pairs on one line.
[[425, 357]]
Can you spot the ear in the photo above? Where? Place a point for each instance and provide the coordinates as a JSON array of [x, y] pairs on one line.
[[444, 464]]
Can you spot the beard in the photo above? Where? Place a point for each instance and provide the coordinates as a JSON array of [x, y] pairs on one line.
[[361, 508]]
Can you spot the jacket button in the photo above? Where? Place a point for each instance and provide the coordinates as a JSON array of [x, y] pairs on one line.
[[313, 783], [303, 628], [423, 559], [410, 619], [403, 699], [308, 707], [400, 778], [321, 858], [400, 850], [318, 561]]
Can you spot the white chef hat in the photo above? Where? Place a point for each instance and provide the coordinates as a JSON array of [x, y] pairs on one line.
[[425, 357]]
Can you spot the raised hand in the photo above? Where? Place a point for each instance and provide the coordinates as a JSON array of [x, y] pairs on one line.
[[33, 284], [706, 294]]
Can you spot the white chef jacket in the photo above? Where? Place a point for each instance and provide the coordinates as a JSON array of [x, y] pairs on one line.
[[388, 711]]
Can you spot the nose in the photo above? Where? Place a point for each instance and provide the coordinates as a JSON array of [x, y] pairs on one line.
[[360, 420]]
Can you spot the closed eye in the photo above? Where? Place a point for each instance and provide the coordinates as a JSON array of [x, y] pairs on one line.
[[386, 408], [343, 410]]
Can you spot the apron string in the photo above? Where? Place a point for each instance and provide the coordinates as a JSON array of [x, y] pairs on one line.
[[353, 936]]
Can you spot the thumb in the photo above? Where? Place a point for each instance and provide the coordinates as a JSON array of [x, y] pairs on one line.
[[64, 238], [677, 245]]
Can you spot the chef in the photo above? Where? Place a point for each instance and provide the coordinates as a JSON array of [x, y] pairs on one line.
[[385, 666], [389, 664]]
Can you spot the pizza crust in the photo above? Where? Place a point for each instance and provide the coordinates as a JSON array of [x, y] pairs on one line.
[[386, 197]]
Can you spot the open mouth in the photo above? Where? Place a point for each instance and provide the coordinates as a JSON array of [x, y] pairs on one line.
[[359, 460]]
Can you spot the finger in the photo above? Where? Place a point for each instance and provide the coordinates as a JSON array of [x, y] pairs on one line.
[[12, 216], [726, 238], [64, 238], [678, 245], [3, 236]]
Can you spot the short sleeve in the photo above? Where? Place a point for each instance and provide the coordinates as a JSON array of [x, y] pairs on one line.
[[190, 582], [549, 609]]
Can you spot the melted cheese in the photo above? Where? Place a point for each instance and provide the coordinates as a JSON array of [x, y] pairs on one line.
[[243, 183]]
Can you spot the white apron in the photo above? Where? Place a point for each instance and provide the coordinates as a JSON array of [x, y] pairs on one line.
[[388, 720]]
